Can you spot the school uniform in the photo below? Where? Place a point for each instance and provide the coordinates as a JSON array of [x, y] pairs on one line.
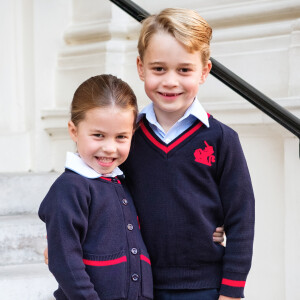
[[183, 189], [94, 243]]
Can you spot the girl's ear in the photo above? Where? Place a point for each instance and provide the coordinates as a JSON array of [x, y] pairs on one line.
[[72, 131], [205, 72], [140, 68]]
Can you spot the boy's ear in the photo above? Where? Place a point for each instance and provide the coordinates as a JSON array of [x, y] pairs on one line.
[[140, 68], [72, 131], [205, 72]]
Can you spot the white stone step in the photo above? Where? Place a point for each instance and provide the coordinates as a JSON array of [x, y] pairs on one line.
[[22, 239], [26, 282], [23, 193]]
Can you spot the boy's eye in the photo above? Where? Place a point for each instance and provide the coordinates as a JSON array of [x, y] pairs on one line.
[[121, 137], [184, 70], [158, 69], [98, 135]]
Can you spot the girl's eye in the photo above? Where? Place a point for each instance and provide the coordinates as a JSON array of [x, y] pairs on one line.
[[121, 137], [98, 135]]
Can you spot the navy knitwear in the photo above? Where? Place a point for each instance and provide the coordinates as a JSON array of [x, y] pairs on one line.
[[183, 191], [94, 243]]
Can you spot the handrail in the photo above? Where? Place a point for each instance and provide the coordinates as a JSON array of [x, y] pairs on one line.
[[233, 81]]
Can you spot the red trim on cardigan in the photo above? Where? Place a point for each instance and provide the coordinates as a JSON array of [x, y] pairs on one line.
[[234, 283], [145, 258], [138, 222], [103, 263], [110, 179], [164, 148]]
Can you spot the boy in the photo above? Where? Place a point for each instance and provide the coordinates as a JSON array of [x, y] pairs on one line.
[[186, 170]]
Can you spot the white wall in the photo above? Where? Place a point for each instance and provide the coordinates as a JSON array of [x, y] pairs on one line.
[[49, 47]]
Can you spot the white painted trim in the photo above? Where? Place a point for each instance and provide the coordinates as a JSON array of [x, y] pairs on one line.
[[252, 12]]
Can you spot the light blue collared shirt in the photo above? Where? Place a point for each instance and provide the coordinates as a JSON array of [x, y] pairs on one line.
[[194, 112]]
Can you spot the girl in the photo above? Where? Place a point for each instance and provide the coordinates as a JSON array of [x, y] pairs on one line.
[[95, 247]]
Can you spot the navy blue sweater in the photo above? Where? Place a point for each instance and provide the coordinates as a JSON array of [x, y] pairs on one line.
[[95, 247], [182, 192]]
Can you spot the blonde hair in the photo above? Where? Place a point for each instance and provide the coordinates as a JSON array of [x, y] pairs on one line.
[[185, 25], [102, 91]]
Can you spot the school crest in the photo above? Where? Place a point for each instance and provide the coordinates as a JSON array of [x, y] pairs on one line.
[[205, 156]]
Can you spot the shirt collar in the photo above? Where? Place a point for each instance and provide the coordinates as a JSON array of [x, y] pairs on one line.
[[195, 109], [77, 165]]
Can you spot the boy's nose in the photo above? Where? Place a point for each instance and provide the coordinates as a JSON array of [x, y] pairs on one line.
[[170, 79]]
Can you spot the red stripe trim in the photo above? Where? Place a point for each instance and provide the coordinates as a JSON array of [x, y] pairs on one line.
[[152, 139], [105, 178], [145, 258], [164, 148], [103, 263], [109, 179], [235, 283], [138, 222]]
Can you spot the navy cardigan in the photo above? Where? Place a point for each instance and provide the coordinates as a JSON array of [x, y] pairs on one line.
[[184, 190], [95, 247]]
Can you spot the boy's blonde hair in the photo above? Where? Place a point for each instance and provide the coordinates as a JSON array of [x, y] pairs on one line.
[[185, 25]]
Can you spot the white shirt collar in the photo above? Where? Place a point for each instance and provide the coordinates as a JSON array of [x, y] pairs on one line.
[[195, 109], [77, 165]]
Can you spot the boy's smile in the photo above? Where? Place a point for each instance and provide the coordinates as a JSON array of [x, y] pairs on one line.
[[172, 76]]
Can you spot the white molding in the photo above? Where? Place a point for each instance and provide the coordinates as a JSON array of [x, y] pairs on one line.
[[92, 32], [93, 54], [290, 103], [55, 122], [253, 31], [252, 12]]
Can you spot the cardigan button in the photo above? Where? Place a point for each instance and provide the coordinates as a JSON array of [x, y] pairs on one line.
[[134, 251], [135, 277], [124, 201], [130, 227]]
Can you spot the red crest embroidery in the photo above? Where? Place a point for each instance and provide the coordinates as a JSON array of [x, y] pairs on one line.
[[205, 156]]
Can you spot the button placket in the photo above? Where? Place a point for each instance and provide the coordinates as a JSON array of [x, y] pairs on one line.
[[130, 227], [135, 277], [133, 250]]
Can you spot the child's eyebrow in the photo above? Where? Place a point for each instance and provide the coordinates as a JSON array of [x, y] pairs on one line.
[[180, 64], [156, 63], [187, 65], [104, 132]]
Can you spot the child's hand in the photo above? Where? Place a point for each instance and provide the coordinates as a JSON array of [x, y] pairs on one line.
[[46, 255], [218, 235], [228, 298]]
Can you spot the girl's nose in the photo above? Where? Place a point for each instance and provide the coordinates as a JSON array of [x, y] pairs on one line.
[[109, 147]]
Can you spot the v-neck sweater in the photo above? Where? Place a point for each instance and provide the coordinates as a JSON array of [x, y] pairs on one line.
[[184, 190]]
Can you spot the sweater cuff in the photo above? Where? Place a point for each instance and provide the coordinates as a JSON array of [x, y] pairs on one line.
[[233, 284]]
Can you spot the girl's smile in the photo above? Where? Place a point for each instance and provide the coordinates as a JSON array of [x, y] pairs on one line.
[[103, 138]]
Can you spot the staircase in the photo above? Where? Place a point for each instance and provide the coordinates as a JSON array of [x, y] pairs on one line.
[[23, 273]]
